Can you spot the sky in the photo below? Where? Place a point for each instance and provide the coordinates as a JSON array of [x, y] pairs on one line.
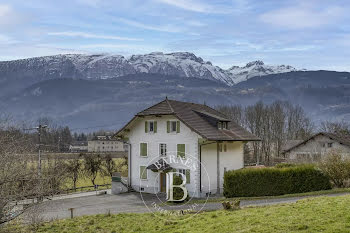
[[312, 34]]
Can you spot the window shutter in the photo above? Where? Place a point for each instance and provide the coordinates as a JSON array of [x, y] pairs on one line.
[[188, 176], [181, 150], [143, 149], [155, 127], [143, 172], [178, 127], [146, 127], [168, 126]]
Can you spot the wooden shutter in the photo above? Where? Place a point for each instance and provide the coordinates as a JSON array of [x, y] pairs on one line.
[[155, 126], [178, 127], [181, 150], [188, 176], [143, 149], [143, 172], [146, 127], [168, 126]]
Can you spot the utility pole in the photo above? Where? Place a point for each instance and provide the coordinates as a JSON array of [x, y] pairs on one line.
[[39, 128]]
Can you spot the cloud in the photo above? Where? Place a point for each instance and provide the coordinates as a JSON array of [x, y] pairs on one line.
[[92, 3], [302, 16], [6, 40], [195, 23], [167, 28], [91, 36], [191, 5], [8, 17]]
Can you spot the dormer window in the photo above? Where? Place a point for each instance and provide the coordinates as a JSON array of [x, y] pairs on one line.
[[222, 125]]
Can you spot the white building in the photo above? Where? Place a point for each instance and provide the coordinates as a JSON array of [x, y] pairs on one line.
[[180, 131], [105, 144], [78, 147]]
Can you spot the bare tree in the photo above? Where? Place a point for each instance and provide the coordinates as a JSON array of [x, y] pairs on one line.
[[92, 166], [340, 128], [74, 170], [274, 124], [19, 177], [109, 165]]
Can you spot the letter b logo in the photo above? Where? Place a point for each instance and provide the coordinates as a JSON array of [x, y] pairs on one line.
[[170, 186]]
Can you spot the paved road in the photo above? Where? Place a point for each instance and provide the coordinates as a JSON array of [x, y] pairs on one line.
[[130, 203]]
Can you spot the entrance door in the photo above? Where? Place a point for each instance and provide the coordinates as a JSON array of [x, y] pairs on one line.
[[162, 178]]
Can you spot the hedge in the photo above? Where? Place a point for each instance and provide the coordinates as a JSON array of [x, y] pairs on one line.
[[253, 182]]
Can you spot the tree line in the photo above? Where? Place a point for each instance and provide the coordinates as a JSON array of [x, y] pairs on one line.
[[275, 124]]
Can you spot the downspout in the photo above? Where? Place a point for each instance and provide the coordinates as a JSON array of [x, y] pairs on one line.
[[217, 168]]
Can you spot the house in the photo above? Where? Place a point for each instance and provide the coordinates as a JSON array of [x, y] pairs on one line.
[[78, 147], [188, 132], [317, 146], [105, 144]]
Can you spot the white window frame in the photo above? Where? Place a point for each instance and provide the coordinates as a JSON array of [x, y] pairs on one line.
[[160, 149]]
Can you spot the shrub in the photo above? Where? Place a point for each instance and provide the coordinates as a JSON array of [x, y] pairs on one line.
[[274, 181], [337, 168], [284, 165]]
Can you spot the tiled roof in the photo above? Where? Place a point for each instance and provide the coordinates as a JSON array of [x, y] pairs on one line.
[[343, 139], [201, 119]]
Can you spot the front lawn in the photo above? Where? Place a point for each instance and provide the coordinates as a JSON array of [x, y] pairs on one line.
[[320, 214]]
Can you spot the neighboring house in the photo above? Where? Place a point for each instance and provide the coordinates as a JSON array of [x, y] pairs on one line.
[[187, 130], [105, 144], [316, 147], [78, 147]]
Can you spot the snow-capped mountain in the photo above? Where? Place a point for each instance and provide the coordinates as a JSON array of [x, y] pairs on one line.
[[181, 64], [256, 68], [102, 66]]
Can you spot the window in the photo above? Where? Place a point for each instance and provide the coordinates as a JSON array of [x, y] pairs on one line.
[[162, 150], [143, 172], [181, 150], [222, 125], [173, 126], [330, 145], [143, 149], [220, 147], [187, 174], [225, 147], [150, 126]]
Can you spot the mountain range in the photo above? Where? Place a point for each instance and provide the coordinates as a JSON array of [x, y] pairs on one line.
[[88, 92]]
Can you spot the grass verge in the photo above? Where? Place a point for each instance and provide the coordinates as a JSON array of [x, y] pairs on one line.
[[320, 214]]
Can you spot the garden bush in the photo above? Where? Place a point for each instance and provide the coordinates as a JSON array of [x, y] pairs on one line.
[[283, 165], [252, 182], [337, 168]]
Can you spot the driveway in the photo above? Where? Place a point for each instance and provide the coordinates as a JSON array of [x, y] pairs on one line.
[[131, 203]]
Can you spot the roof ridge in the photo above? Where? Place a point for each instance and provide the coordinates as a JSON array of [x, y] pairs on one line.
[[171, 108]]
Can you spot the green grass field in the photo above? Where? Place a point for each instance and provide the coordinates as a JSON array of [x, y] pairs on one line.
[[320, 214]]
